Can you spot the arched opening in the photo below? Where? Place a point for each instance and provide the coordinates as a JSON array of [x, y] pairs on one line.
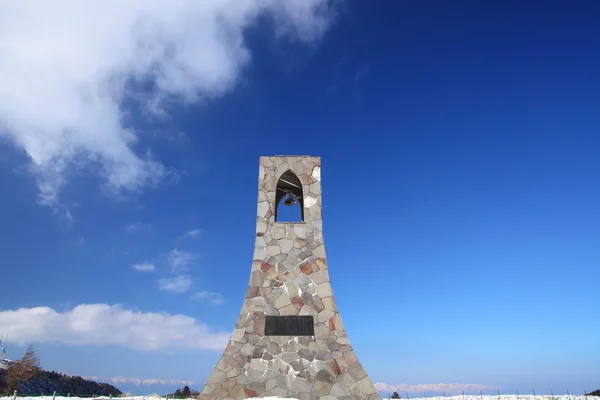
[[289, 199]]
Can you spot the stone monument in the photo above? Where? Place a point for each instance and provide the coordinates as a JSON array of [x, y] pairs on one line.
[[289, 340]]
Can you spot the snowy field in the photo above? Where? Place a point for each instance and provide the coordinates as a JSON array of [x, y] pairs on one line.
[[459, 397]]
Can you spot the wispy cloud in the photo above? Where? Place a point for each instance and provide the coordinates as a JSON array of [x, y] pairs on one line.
[[177, 278], [212, 297], [193, 233], [176, 284], [136, 227], [144, 267], [448, 388], [181, 260], [361, 73], [103, 324], [64, 77]]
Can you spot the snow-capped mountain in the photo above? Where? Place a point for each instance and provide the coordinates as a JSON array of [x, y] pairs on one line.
[[435, 389], [138, 386]]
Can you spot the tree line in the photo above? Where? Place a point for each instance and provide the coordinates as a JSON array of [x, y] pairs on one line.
[[27, 377], [185, 392]]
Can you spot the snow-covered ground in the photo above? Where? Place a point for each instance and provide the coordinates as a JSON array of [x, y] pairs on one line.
[[459, 397]]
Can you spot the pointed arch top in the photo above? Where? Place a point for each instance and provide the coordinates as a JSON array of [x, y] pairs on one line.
[[289, 182]]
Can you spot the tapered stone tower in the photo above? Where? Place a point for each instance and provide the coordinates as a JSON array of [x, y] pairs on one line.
[[289, 340]]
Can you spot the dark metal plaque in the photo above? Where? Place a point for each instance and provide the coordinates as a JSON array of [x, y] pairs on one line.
[[294, 325]]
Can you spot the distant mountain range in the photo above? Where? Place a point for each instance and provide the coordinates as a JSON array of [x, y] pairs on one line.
[[435, 389], [137, 386]]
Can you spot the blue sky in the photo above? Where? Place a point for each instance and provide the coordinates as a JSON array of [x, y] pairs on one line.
[[459, 147]]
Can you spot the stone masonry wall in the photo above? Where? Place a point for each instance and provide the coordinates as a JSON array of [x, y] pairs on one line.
[[289, 277]]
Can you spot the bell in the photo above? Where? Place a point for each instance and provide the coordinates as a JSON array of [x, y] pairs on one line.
[[290, 200]]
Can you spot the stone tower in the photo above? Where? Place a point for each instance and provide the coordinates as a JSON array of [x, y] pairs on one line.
[[289, 340]]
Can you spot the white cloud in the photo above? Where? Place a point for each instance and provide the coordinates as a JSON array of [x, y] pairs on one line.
[[448, 388], [64, 76], [103, 324], [177, 284], [136, 227], [144, 267], [212, 297], [194, 232], [180, 260]]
